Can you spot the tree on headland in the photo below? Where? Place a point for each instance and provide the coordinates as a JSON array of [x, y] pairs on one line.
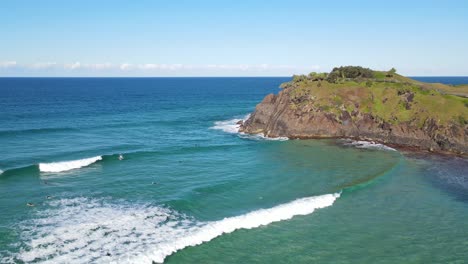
[[314, 76], [391, 72], [349, 72], [299, 78], [344, 74]]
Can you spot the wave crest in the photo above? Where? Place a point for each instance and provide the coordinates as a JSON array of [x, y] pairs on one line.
[[262, 217], [67, 165], [82, 230]]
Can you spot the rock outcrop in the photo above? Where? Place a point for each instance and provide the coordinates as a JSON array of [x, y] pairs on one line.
[[299, 115]]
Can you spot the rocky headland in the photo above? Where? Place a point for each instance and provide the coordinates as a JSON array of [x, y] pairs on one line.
[[358, 103]]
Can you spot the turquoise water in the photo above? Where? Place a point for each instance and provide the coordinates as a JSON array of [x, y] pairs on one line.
[[189, 189]]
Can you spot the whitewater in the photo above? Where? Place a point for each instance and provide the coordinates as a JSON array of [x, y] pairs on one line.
[[232, 126], [67, 165], [83, 230]]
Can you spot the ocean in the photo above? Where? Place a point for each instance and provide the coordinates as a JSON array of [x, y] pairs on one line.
[[142, 170]]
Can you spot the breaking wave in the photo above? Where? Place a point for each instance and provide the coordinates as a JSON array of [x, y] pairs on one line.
[[232, 126], [67, 165], [82, 230], [367, 145]]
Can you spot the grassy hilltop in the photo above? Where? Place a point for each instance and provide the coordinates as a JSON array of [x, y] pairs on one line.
[[356, 102], [388, 96]]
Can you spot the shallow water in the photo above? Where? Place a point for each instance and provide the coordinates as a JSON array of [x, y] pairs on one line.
[[189, 184]]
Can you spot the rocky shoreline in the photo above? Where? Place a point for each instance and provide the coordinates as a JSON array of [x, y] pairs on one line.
[[274, 117]]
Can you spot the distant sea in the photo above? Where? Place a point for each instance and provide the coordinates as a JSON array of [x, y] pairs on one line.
[[136, 170], [445, 80]]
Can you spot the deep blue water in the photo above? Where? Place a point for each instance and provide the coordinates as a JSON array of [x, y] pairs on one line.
[[445, 80], [189, 183], [77, 117]]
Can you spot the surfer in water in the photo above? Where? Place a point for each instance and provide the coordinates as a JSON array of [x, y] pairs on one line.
[[121, 157]]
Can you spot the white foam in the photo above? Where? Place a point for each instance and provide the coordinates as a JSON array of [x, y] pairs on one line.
[[303, 206], [367, 145], [84, 230], [231, 126], [261, 137], [1, 172], [67, 165]]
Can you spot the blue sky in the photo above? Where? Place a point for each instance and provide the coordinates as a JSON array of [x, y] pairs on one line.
[[230, 38]]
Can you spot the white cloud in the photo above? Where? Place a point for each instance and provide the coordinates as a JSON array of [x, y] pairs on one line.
[[7, 64], [73, 66], [99, 66], [148, 66], [171, 67], [42, 65], [256, 67], [125, 66], [155, 69], [14, 68], [239, 67]]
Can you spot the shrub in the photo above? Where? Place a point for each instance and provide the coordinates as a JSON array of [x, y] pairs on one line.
[[462, 120], [286, 85], [299, 78], [314, 76], [391, 72], [333, 76]]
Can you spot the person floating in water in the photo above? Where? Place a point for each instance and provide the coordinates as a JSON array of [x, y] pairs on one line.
[[121, 157]]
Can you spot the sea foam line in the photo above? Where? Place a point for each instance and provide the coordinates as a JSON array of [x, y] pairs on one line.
[[82, 230], [262, 217], [231, 126], [67, 165], [367, 145]]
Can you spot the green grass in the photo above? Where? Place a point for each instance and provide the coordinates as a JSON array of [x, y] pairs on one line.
[[379, 75], [385, 99]]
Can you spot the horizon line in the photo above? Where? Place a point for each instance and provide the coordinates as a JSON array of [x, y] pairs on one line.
[[129, 77]]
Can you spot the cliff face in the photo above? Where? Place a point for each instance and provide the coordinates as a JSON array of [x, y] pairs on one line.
[[306, 111]]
